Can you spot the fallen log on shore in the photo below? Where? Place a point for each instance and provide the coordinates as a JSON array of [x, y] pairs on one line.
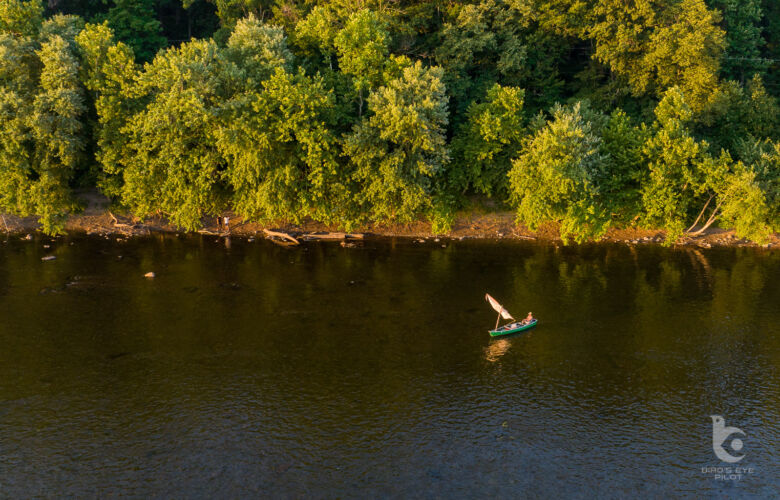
[[132, 228], [283, 236], [332, 236]]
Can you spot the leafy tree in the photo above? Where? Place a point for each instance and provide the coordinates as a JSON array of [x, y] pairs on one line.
[[258, 49], [684, 176], [135, 23], [735, 112], [364, 22], [735, 197], [109, 73], [318, 30], [42, 106], [230, 11], [21, 17], [763, 157], [771, 33], [18, 84], [362, 48], [742, 24], [171, 164], [20, 70], [86, 9], [66, 27], [488, 141], [409, 23], [281, 155], [676, 181], [43, 133], [565, 17], [360, 63], [495, 41], [620, 174], [400, 150], [288, 13], [553, 178], [657, 45], [742, 203], [58, 110]]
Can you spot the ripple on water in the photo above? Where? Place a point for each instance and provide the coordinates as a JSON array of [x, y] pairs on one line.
[[335, 373]]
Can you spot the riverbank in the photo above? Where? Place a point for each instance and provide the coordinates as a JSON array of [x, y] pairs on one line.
[[498, 225], [97, 218]]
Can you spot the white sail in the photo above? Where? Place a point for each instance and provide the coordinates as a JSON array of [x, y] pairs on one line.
[[498, 307]]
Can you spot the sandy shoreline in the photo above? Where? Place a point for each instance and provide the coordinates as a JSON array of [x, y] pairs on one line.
[[494, 226], [98, 219]]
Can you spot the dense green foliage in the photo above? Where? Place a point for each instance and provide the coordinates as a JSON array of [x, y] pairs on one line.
[[43, 107], [581, 113], [553, 178], [488, 141], [400, 150], [134, 22]]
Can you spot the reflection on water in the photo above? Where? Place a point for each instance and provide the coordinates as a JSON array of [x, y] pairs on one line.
[[496, 349], [340, 372]]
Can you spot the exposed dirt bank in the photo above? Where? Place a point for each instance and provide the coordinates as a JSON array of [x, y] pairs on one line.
[[98, 219]]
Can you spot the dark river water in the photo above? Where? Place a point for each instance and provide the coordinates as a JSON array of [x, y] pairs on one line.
[[331, 372]]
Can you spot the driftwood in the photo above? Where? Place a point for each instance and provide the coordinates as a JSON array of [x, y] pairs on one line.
[[332, 236], [6, 225], [283, 236], [134, 228], [119, 224]]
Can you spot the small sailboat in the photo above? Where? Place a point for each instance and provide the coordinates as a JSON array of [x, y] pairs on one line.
[[508, 329]]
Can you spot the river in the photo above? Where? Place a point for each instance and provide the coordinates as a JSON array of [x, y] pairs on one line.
[[320, 371]]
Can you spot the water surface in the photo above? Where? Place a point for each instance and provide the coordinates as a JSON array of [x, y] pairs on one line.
[[350, 372]]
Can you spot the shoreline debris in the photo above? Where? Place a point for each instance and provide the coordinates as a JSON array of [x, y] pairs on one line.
[[283, 236]]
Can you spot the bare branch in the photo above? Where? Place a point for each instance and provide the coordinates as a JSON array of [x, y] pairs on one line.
[[700, 215]]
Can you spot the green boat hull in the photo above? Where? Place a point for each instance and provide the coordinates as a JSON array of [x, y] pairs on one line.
[[512, 329]]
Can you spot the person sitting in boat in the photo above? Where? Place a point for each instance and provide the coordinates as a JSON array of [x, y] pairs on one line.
[[528, 319]]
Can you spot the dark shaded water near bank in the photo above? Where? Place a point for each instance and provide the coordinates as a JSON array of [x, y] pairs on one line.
[[350, 372]]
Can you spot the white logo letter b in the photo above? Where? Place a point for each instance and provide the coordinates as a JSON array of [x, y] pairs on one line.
[[719, 435]]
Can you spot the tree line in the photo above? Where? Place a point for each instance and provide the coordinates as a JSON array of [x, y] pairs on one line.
[[583, 113]]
